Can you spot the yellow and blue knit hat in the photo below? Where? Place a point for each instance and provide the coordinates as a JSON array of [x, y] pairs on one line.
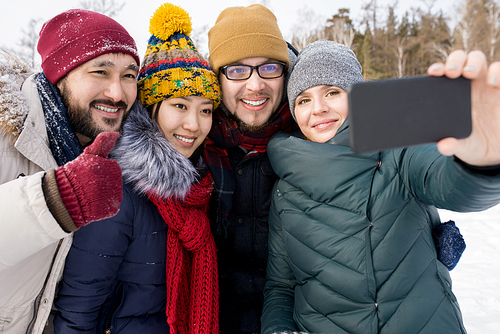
[[172, 66]]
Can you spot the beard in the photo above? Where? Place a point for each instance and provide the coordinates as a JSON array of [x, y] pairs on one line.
[[80, 118], [247, 127]]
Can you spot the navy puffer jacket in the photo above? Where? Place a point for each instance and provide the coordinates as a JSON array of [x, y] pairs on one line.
[[115, 274], [350, 243]]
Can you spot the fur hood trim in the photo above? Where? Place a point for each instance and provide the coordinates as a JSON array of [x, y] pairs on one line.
[[148, 161], [13, 104]]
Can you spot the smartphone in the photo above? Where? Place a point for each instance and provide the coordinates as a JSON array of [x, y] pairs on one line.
[[392, 113]]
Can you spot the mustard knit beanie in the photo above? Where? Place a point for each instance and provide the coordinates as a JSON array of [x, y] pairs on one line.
[[245, 32], [172, 66]]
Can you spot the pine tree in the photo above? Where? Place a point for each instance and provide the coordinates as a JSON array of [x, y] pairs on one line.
[[339, 28], [366, 58]]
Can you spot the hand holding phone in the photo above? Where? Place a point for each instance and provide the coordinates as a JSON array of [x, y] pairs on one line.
[[482, 147], [392, 113]]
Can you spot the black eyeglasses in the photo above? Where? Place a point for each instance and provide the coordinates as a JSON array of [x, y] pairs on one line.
[[242, 72]]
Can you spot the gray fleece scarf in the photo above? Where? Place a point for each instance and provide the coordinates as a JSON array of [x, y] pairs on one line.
[[148, 161]]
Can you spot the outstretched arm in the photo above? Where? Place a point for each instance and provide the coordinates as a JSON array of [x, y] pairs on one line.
[[482, 147]]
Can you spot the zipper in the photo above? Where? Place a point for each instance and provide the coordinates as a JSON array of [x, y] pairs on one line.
[[120, 293], [36, 306]]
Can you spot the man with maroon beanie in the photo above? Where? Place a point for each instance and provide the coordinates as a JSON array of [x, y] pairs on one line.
[[56, 130]]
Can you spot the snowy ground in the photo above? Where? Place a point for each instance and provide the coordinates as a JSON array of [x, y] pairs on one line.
[[476, 278]]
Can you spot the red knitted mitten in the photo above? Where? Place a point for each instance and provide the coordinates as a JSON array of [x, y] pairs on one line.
[[91, 185]]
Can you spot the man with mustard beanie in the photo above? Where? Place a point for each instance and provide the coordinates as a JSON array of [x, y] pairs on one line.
[[248, 53], [57, 128]]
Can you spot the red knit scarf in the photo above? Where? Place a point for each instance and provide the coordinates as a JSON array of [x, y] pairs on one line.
[[192, 278]]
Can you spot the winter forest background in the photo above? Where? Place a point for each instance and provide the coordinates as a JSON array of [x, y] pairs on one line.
[[387, 45]]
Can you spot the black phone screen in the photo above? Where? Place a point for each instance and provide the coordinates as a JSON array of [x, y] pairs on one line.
[[392, 113]]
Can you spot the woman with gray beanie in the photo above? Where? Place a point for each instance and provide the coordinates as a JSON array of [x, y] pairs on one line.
[[350, 235]]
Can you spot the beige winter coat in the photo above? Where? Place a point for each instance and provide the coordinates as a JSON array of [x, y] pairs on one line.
[[33, 246]]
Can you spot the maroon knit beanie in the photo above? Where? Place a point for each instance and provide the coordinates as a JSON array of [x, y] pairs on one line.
[[76, 36]]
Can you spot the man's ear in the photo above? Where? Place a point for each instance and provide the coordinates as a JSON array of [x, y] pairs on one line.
[[60, 84]]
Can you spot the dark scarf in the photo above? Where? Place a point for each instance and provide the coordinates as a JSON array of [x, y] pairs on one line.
[[63, 142], [226, 134]]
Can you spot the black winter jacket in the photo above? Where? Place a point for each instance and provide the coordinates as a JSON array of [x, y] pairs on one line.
[[241, 239]]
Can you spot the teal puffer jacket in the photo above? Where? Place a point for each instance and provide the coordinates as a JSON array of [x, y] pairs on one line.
[[350, 243]]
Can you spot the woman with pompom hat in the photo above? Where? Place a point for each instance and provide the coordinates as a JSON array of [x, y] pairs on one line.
[[153, 268]]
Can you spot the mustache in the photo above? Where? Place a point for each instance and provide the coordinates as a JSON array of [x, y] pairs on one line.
[[120, 104]]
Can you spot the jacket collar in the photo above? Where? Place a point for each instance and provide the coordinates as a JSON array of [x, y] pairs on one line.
[[21, 114], [32, 141], [342, 136], [148, 161]]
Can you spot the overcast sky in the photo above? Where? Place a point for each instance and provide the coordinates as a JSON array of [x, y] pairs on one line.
[[15, 15]]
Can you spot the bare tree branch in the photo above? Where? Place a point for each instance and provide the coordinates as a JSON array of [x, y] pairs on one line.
[[110, 8], [29, 41], [493, 10]]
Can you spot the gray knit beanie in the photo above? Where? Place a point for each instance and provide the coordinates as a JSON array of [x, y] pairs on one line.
[[322, 63]]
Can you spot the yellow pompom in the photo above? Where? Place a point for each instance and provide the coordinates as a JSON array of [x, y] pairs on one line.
[[169, 19]]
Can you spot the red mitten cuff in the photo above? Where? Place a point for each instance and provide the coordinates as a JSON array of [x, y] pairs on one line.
[[55, 203], [69, 198]]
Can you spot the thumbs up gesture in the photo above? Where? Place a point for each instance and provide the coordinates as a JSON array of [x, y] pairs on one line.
[[91, 185]]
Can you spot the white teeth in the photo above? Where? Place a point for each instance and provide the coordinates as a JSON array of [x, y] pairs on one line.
[[106, 109], [184, 139], [254, 103]]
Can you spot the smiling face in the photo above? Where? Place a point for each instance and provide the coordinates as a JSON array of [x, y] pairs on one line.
[[99, 94], [253, 101], [320, 111], [185, 122]]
